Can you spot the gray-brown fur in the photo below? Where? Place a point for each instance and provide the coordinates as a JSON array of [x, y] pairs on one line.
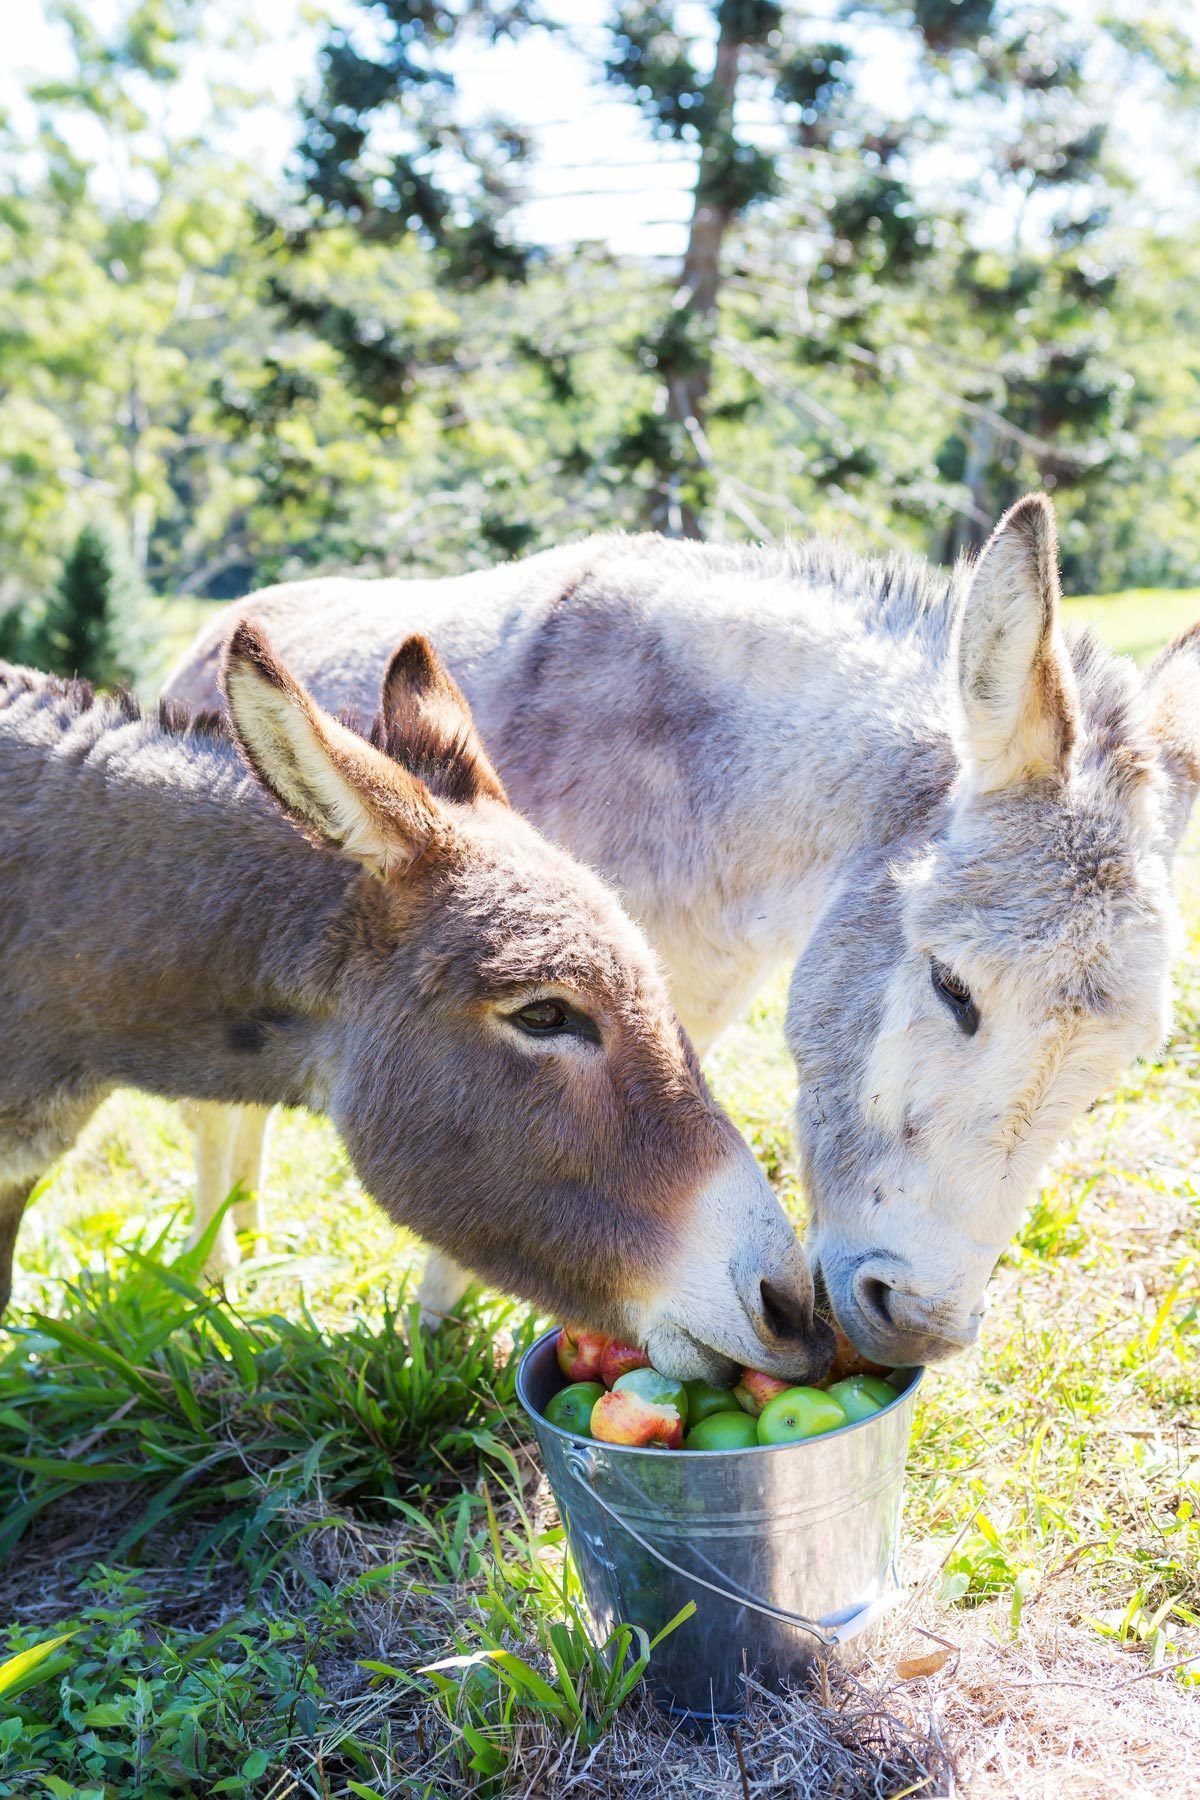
[[165, 927], [861, 767]]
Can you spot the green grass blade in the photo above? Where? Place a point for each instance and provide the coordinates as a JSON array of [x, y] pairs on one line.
[[29, 1666]]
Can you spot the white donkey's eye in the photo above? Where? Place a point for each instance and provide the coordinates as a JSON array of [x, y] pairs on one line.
[[956, 995]]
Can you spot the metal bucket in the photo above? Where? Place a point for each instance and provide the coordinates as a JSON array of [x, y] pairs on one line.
[[788, 1551]]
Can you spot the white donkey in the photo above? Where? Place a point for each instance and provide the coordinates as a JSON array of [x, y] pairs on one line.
[[958, 830]]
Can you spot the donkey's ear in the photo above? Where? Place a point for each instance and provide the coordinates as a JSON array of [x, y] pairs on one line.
[[339, 790], [1173, 702], [425, 723], [1016, 686]]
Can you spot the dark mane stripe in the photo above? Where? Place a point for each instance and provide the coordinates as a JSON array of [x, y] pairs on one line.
[[904, 595], [116, 707]]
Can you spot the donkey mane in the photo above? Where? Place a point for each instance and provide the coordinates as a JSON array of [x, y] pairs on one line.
[[71, 699], [902, 593], [902, 596]]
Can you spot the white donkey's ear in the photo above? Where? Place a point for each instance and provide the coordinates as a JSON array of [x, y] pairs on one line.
[[1016, 686], [1172, 689], [339, 790]]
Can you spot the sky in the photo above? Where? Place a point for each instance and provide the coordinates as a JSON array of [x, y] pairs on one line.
[[599, 175], [579, 123]]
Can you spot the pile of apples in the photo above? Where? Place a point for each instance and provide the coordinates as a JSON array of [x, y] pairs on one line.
[[615, 1395]]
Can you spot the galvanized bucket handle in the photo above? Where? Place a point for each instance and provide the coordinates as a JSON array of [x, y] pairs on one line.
[[582, 1469]]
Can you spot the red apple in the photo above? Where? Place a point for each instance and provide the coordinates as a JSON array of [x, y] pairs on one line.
[[847, 1361], [579, 1352], [755, 1390], [617, 1359], [645, 1408]]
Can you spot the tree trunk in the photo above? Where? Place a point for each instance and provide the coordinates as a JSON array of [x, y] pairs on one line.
[[686, 389], [965, 532]]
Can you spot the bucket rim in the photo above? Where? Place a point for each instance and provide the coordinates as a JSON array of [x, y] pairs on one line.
[[570, 1437]]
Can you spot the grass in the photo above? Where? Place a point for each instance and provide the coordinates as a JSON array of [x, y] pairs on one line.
[[251, 1543], [1139, 621]]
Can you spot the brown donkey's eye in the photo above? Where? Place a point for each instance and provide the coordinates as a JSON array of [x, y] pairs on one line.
[[956, 995], [543, 1015], [554, 1018]]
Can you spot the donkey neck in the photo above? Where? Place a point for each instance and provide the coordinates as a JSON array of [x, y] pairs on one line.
[[167, 930], [825, 734], [720, 730], [843, 731]]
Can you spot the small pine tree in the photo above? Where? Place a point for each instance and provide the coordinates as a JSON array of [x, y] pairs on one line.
[[12, 636], [88, 624]]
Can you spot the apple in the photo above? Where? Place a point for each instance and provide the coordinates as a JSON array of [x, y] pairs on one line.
[[754, 1390], [799, 1412], [660, 1390], [579, 1352], [616, 1359], [861, 1396], [571, 1408], [704, 1400], [723, 1431], [847, 1361], [642, 1408]]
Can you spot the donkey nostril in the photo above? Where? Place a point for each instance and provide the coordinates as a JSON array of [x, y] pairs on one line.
[[786, 1315], [877, 1297]]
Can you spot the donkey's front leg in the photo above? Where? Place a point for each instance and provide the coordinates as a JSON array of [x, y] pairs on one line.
[[442, 1287], [216, 1129], [246, 1165], [12, 1206]]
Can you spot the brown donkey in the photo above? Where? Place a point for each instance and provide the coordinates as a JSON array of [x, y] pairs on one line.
[[486, 1027]]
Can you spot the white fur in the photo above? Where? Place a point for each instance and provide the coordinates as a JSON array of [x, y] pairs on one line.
[[1009, 626], [227, 1159], [736, 1231]]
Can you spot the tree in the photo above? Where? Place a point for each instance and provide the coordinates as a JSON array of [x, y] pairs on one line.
[[384, 149], [89, 626], [1035, 319], [797, 179], [690, 88], [896, 322]]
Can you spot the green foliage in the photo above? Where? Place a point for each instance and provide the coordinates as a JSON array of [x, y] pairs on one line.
[[948, 24], [654, 63], [373, 368], [269, 1412], [89, 626], [877, 223], [450, 181], [125, 1704]]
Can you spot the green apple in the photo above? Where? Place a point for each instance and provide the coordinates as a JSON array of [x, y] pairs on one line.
[[704, 1400], [571, 1408], [654, 1389], [861, 1396], [723, 1431], [800, 1412]]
